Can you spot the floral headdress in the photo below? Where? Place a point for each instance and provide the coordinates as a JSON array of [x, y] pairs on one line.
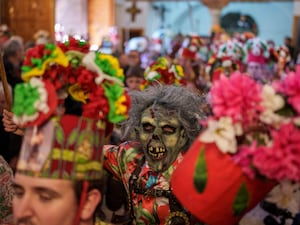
[[67, 146], [257, 50], [68, 68], [163, 71], [251, 142], [230, 57]]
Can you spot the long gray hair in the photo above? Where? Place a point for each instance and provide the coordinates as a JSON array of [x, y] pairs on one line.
[[186, 104]]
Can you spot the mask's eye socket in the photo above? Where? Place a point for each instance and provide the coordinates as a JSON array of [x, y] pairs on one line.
[[147, 127], [168, 129]]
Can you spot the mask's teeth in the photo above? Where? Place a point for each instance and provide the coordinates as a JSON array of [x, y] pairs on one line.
[[156, 152]]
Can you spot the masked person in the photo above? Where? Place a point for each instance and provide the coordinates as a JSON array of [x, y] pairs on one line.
[[163, 121]]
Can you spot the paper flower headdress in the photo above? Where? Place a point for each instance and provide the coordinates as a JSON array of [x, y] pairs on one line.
[[67, 146], [164, 72], [53, 71]]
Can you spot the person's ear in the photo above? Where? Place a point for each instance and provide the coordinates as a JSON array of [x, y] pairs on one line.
[[91, 203]]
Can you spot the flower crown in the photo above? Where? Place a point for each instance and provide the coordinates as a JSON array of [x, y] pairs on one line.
[[53, 71], [259, 128], [164, 72]]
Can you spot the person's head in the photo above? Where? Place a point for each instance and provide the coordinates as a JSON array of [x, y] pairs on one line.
[[13, 50], [287, 41], [134, 78], [134, 58], [165, 119], [256, 70], [41, 37], [123, 60], [65, 186]]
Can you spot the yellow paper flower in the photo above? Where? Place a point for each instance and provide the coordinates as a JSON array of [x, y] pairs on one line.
[[57, 56], [77, 93], [121, 108]]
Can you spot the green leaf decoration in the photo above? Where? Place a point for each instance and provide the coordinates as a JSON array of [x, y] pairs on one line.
[[200, 175], [59, 134], [81, 138], [241, 200], [92, 139], [72, 137]]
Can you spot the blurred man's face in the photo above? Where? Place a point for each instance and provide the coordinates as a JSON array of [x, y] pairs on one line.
[[42, 201], [133, 58]]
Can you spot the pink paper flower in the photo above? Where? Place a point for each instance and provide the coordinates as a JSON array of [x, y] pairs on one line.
[[244, 158], [281, 160], [290, 87], [237, 97]]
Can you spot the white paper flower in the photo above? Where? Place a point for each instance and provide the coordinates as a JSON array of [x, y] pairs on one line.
[[271, 103], [286, 195], [223, 133]]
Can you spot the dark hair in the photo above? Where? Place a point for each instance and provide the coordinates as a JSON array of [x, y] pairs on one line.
[[135, 71], [11, 47]]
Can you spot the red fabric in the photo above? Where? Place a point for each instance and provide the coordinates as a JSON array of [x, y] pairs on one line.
[[186, 53], [214, 205], [216, 75], [257, 58], [83, 198]]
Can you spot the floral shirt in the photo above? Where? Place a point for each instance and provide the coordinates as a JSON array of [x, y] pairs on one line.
[[122, 161], [6, 193]]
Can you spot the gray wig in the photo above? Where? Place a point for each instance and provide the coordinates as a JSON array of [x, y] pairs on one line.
[[186, 105]]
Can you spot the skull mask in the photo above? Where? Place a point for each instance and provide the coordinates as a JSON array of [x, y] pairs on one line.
[[162, 137]]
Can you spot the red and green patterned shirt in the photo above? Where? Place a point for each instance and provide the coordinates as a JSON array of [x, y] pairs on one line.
[[122, 161]]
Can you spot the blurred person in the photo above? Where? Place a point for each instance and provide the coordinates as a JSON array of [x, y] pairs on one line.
[[289, 45], [5, 34], [42, 37], [13, 55], [134, 78], [123, 61], [257, 58], [134, 58]]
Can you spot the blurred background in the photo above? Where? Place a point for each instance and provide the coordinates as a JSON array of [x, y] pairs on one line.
[[109, 24]]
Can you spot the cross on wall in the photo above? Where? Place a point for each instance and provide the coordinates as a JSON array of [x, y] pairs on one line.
[[133, 10]]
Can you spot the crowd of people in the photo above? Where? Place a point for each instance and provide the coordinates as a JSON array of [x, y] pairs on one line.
[[94, 138]]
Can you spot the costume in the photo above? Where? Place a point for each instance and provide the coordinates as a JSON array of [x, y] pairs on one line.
[[161, 133], [247, 148], [63, 146], [150, 191]]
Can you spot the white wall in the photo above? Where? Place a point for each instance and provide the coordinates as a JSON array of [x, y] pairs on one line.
[[274, 19], [123, 18], [73, 17], [296, 7]]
